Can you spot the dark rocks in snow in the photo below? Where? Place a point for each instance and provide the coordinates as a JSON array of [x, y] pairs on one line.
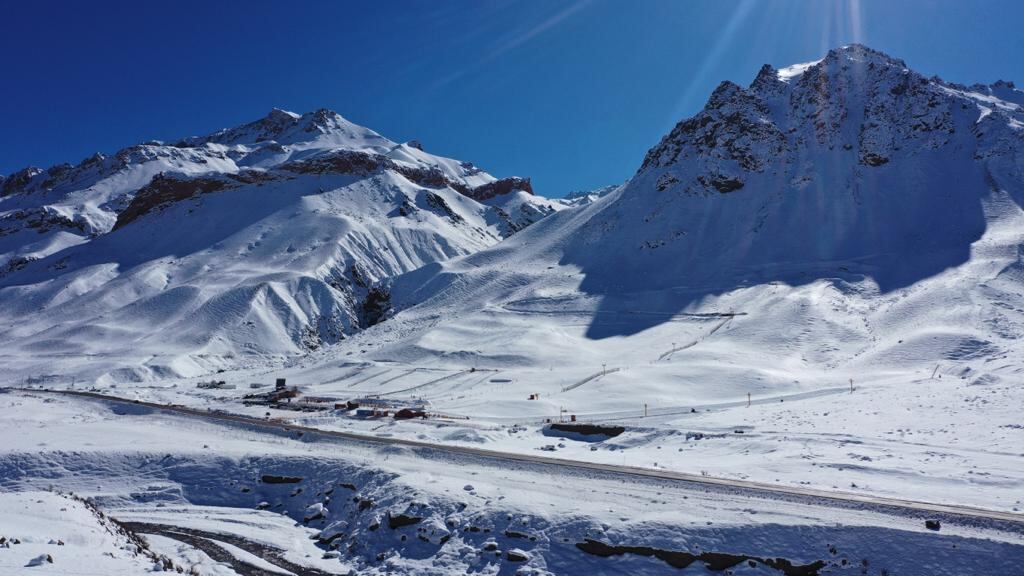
[[517, 555], [41, 219], [274, 479], [351, 162], [19, 180], [500, 187], [400, 520], [166, 189], [438, 204], [714, 561], [376, 306], [872, 159], [721, 183], [406, 208], [39, 561]]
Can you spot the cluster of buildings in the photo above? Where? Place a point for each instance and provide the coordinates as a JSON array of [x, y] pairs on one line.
[[289, 397]]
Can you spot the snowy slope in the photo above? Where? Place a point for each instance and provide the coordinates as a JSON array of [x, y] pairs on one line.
[[847, 219], [853, 170], [263, 240], [814, 282], [845, 222], [361, 508]]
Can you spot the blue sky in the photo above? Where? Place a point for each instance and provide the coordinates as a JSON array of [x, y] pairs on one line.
[[569, 93]]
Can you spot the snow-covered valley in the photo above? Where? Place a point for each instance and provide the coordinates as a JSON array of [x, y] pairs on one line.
[[814, 283], [414, 511]]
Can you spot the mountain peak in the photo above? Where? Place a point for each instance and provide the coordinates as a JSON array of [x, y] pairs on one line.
[[840, 57], [856, 104], [324, 119], [279, 115], [725, 92], [289, 128], [862, 53]]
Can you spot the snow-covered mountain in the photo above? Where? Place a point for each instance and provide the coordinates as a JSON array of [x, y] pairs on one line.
[[846, 215], [843, 215], [584, 197], [815, 282], [265, 239]]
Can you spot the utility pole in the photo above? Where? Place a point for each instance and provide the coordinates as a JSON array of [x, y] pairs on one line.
[[748, 399], [604, 369], [851, 385], [645, 409]]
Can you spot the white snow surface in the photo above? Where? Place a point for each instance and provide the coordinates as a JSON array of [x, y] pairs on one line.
[[838, 245], [142, 466], [794, 71], [681, 295]]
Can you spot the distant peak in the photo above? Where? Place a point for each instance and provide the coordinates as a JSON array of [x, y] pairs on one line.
[[723, 93], [325, 116], [848, 53], [766, 79], [280, 115], [860, 52]]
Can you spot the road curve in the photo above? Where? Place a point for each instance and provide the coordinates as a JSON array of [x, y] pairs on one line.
[[1009, 520]]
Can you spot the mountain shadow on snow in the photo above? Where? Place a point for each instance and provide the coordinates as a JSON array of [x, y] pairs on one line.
[[850, 168]]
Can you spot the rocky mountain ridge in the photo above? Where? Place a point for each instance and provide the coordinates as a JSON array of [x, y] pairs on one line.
[[293, 219]]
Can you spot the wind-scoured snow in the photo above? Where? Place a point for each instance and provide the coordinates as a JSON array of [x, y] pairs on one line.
[[790, 72]]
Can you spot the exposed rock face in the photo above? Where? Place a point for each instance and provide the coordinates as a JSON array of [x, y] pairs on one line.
[[856, 100], [338, 162], [19, 180], [731, 136], [500, 188]]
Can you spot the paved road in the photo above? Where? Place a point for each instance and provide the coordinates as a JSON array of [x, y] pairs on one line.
[[1009, 520]]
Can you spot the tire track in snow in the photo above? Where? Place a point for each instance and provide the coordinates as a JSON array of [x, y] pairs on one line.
[[207, 542]]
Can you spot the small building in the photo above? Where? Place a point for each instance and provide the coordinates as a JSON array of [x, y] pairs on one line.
[[284, 394], [280, 384], [375, 406], [319, 400], [409, 413]]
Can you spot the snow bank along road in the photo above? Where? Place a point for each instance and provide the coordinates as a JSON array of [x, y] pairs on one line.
[[1008, 521]]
